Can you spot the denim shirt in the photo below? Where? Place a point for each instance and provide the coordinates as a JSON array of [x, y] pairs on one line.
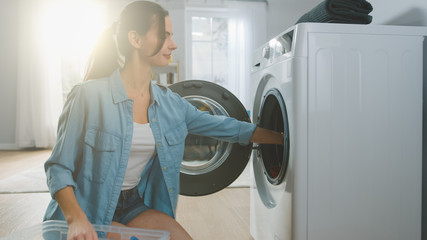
[[94, 139]]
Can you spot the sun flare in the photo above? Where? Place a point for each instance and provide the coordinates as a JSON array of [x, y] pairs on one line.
[[70, 28]]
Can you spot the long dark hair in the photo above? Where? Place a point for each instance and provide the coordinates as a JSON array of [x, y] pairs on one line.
[[138, 16]]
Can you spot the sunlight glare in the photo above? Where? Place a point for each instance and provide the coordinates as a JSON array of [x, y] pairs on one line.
[[71, 27]]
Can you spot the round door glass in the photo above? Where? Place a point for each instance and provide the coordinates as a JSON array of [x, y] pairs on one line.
[[274, 117], [204, 154], [210, 165]]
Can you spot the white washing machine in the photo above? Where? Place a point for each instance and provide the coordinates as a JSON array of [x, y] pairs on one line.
[[349, 100]]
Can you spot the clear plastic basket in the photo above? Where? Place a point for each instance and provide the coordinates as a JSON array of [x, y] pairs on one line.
[[57, 230]]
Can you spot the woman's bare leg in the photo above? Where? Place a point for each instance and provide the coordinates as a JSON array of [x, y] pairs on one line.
[[153, 219], [112, 235]]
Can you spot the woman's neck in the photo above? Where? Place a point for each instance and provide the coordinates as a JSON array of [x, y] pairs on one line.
[[136, 79]]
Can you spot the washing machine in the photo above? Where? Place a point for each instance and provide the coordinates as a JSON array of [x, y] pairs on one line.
[[348, 99]]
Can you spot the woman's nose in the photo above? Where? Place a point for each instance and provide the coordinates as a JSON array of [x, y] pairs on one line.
[[172, 45]]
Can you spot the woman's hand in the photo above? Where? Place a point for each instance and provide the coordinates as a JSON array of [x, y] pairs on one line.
[[81, 229], [265, 136]]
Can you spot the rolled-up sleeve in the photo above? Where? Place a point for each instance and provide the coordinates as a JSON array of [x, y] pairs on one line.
[[61, 165], [216, 126]]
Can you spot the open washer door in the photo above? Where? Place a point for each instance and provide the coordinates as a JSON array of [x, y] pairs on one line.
[[210, 165]]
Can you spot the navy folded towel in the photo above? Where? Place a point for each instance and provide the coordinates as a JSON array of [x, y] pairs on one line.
[[340, 11]]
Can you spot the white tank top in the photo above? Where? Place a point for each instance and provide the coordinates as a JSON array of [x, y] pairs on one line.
[[141, 151]]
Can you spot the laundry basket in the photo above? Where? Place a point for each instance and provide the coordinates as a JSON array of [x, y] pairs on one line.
[[57, 230]]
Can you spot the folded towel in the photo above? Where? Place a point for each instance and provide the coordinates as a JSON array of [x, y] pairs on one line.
[[339, 11]]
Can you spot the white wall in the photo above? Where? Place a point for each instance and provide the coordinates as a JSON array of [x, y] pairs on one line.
[[281, 14], [393, 12], [8, 72]]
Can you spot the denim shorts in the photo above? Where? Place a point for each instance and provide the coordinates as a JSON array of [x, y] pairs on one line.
[[129, 206]]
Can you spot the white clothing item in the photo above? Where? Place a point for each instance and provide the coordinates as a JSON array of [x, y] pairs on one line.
[[141, 151]]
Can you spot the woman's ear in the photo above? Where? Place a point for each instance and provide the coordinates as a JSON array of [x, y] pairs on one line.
[[135, 39]]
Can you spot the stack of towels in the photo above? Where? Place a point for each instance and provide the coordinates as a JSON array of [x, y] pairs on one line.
[[340, 11]]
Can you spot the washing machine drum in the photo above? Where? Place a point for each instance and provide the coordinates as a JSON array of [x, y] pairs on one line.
[[210, 165], [273, 116]]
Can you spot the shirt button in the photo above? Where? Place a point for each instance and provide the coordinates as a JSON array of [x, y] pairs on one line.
[[153, 119], [164, 167], [159, 144], [170, 189]]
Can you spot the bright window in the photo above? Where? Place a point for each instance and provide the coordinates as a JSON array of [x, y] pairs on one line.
[[212, 48], [70, 38], [209, 56]]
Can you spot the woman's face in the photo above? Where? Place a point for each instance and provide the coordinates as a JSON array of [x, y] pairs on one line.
[[150, 45]]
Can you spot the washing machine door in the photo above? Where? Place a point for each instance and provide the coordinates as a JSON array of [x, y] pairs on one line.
[[275, 158], [210, 165], [271, 162]]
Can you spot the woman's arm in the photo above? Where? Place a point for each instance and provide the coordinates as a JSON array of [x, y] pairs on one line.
[[61, 165], [265, 136], [227, 128], [78, 225]]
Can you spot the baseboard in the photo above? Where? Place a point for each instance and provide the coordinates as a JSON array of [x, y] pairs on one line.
[[9, 146]]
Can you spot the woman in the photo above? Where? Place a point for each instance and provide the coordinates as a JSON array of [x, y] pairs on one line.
[[121, 138]]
